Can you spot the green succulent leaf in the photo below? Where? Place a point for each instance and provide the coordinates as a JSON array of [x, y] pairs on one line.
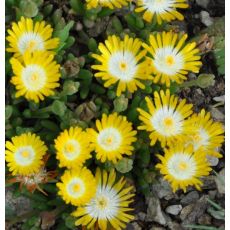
[[120, 104], [124, 165], [58, 108], [29, 8]]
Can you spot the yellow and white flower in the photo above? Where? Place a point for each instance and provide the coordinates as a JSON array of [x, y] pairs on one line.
[[29, 36], [165, 119], [122, 62], [78, 186], [181, 166], [108, 208], [24, 154], [172, 59], [204, 133], [72, 147], [114, 137], [106, 3], [36, 76], [162, 10]]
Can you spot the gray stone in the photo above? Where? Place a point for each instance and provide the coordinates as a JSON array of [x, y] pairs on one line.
[[186, 211], [157, 228], [212, 194], [19, 205], [175, 226], [141, 216], [217, 115], [197, 211], [162, 189], [203, 3], [205, 219], [208, 182], [191, 197], [133, 226], [220, 181], [154, 211], [205, 18], [213, 161], [174, 209]]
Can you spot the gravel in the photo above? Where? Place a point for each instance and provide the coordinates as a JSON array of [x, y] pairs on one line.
[[174, 209]]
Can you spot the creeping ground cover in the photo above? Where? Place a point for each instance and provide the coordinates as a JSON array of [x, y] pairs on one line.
[[114, 114]]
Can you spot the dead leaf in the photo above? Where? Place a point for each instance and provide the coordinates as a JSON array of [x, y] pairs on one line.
[[205, 44], [48, 219]]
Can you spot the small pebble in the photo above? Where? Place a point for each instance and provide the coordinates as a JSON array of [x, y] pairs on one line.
[[213, 160], [205, 18], [190, 198], [205, 219], [174, 209], [141, 216]]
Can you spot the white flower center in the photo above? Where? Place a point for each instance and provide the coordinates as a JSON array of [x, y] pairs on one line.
[[167, 60], [200, 139], [167, 122], [30, 40], [158, 6], [109, 139], [122, 65], [24, 155], [33, 77], [71, 149], [105, 204], [182, 166], [76, 187]]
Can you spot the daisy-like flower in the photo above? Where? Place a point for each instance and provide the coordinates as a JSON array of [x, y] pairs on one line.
[[165, 119], [181, 166], [163, 10], [106, 3], [204, 133], [72, 147], [78, 186], [113, 138], [172, 59], [27, 36], [122, 61], [108, 208], [36, 76], [24, 154]]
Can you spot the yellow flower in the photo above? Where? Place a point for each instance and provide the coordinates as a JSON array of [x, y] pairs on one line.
[[203, 133], [27, 36], [109, 206], [107, 3], [24, 154], [37, 76], [122, 61], [172, 59], [113, 138], [162, 10], [183, 167], [72, 147], [166, 118], [78, 186]]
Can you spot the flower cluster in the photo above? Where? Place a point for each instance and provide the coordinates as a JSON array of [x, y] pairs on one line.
[[36, 74], [124, 64], [125, 61], [101, 197], [187, 138]]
